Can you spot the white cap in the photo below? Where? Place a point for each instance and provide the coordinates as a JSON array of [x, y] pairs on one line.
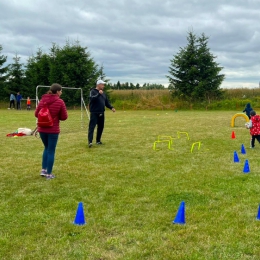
[[100, 81]]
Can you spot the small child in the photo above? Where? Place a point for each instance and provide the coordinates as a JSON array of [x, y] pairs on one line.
[[28, 103], [254, 126], [248, 109]]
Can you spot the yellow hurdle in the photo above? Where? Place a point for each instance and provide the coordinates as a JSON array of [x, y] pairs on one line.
[[199, 143], [162, 141], [179, 135], [238, 115], [165, 137]]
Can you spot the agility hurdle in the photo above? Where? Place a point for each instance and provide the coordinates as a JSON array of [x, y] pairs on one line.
[[238, 115]]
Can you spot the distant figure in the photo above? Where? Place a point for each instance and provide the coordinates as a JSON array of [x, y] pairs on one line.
[[12, 101], [28, 102], [254, 126], [18, 101], [248, 109]]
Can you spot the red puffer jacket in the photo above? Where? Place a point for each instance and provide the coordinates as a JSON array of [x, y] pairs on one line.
[[58, 112], [255, 129]]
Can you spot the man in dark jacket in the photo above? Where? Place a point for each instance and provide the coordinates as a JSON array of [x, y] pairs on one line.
[[97, 103]]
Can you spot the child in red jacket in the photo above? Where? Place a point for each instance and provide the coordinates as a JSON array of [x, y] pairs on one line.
[[254, 126]]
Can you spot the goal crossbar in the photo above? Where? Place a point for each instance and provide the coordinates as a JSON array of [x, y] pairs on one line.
[[82, 103]]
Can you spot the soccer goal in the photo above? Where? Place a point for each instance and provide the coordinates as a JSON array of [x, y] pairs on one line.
[[78, 115]]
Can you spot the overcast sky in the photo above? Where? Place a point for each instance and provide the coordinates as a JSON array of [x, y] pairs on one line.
[[135, 39]]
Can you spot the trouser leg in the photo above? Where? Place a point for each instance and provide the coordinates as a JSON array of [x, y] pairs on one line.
[[48, 156], [258, 138], [92, 125], [100, 126], [252, 141], [11, 102]]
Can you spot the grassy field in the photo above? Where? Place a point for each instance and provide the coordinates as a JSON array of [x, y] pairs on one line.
[[130, 192]]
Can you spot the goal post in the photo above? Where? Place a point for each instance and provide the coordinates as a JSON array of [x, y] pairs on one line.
[[73, 98]]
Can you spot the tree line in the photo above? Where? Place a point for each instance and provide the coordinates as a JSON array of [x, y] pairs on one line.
[[193, 72], [70, 65]]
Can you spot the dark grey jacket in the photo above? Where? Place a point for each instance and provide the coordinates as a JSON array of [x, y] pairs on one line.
[[98, 102]]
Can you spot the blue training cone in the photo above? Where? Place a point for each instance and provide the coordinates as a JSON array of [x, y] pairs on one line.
[[258, 214], [180, 217], [243, 150], [80, 218], [236, 159], [246, 167]]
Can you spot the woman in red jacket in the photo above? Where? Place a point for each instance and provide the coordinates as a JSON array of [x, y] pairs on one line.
[[49, 135]]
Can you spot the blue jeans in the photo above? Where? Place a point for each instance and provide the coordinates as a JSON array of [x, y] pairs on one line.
[[50, 142]]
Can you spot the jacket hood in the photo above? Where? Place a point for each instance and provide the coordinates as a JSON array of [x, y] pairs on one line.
[[49, 98]]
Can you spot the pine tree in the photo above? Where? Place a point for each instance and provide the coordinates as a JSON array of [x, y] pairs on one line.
[[194, 75], [3, 75], [118, 85], [72, 66], [209, 69], [15, 80], [37, 71]]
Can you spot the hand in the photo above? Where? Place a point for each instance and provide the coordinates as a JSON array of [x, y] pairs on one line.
[[113, 109], [100, 92]]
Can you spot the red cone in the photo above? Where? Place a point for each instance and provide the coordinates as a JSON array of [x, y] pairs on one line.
[[233, 136]]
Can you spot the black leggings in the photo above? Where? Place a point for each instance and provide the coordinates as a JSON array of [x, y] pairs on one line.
[[257, 137], [99, 120], [12, 103]]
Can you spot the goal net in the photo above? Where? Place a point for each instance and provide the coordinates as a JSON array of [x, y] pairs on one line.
[[78, 115]]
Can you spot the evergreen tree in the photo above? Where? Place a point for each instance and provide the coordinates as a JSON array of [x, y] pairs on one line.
[[101, 73], [209, 77], [132, 86], [72, 66], [3, 75], [194, 75], [37, 71], [118, 85], [15, 77]]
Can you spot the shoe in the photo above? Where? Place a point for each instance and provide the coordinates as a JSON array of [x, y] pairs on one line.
[[50, 176], [99, 143], [90, 145], [43, 173], [252, 147]]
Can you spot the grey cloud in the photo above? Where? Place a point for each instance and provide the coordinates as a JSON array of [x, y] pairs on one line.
[[135, 40]]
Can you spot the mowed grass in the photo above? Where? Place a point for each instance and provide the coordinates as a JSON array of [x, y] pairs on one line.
[[130, 192]]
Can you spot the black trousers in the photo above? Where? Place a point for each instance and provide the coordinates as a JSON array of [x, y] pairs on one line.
[[253, 137], [12, 103], [99, 120]]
